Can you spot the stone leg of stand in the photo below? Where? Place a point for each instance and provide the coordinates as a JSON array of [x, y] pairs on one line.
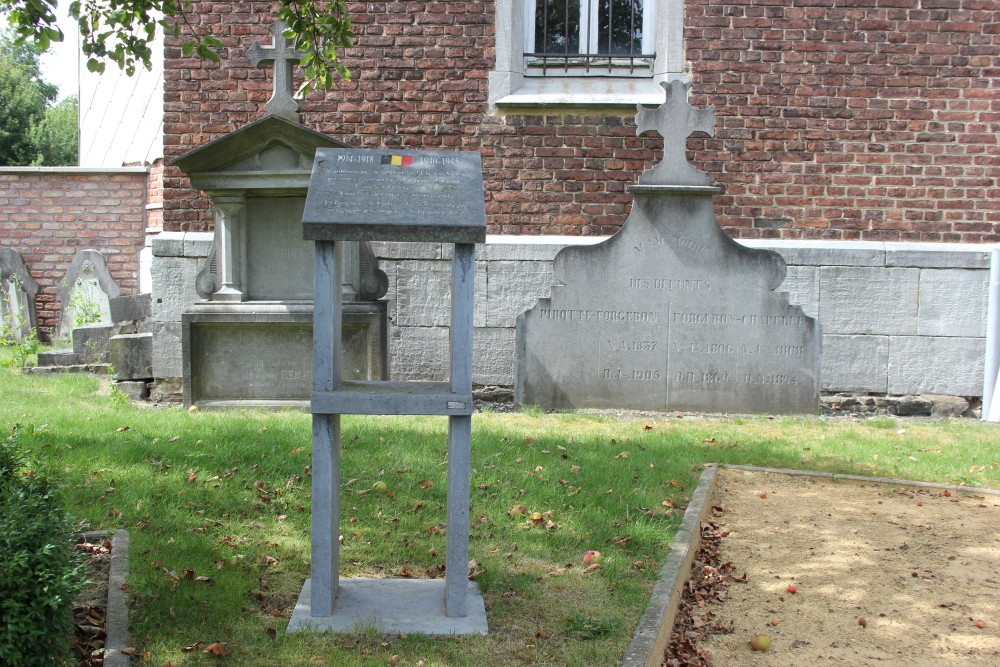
[[459, 480], [325, 513]]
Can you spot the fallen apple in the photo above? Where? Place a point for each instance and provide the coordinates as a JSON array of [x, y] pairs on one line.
[[792, 589], [379, 486], [863, 622], [760, 642], [775, 621], [592, 557], [980, 624]]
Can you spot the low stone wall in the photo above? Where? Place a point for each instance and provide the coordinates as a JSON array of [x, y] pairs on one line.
[[897, 318]]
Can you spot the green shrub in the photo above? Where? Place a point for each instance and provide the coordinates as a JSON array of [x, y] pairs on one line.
[[40, 571]]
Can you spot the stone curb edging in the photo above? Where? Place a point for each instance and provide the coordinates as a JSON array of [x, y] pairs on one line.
[[862, 478], [654, 628], [116, 618], [657, 622]]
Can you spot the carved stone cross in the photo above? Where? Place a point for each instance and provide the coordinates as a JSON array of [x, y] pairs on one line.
[[282, 102], [675, 120]]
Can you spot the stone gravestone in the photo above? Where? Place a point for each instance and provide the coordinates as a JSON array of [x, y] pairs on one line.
[[17, 295], [248, 340], [85, 292], [368, 195], [669, 313]]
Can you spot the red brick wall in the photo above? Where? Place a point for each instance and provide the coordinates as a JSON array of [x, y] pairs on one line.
[[857, 119], [48, 214], [420, 81], [871, 121]]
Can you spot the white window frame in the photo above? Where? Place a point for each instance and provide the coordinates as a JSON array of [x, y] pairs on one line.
[[517, 82], [589, 25]]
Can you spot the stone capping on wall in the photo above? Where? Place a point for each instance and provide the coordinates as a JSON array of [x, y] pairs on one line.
[[74, 170]]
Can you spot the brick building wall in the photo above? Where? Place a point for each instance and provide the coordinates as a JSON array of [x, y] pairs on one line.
[[870, 121], [867, 119], [47, 214]]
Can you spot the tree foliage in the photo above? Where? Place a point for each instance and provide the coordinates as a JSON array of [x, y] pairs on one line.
[[121, 31], [56, 139], [24, 97]]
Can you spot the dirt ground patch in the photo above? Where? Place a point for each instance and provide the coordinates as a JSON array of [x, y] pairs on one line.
[[921, 566]]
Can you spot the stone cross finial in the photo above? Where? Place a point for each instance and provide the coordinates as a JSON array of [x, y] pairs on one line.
[[675, 120], [282, 102]]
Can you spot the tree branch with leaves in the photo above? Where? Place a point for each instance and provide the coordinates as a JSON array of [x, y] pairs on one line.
[[121, 31]]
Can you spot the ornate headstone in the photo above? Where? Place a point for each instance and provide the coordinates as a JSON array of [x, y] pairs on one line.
[[85, 292], [17, 295], [670, 313]]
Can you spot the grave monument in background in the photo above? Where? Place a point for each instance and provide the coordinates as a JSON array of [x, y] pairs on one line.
[[248, 340], [17, 295], [669, 313]]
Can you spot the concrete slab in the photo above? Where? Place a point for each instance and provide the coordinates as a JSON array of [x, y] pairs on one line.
[[411, 606]]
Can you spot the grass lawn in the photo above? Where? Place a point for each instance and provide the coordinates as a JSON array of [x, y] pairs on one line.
[[218, 508]]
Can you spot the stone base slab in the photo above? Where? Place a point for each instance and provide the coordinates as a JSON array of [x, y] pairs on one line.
[[410, 606]]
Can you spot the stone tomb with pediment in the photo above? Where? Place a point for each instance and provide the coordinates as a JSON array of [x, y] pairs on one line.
[[248, 340]]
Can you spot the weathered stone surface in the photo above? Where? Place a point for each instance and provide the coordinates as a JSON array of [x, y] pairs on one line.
[[855, 363], [87, 283], [58, 358], [419, 353], [937, 255], [408, 249], [947, 406], [912, 406], [173, 287], [824, 253], [423, 292], [929, 365], [17, 294], [136, 391], [130, 308], [279, 264], [864, 300], [90, 343], [670, 313], [167, 354], [952, 302], [263, 352], [493, 360], [511, 287], [132, 356], [802, 286]]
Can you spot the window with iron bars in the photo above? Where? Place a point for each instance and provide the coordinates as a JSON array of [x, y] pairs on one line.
[[586, 37]]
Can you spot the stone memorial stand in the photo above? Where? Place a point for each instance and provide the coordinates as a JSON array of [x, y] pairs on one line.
[[370, 195]]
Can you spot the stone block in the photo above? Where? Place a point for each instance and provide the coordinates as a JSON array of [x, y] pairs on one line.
[[824, 253], [480, 299], [865, 300], [58, 358], [90, 343], [132, 356], [423, 294], [136, 391], [167, 355], [953, 302], [937, 255], [173, 287], [419, 353], [802, 286], [936, 365], [514, 287], [855, 363], [168, 244], [130, 308], [529, 248], [407, 250], [493, 357], [198, 244]]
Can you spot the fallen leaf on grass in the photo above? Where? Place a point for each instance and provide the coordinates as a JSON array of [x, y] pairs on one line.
[[426, 484], [623, 455], [217, 649], [122, 428]]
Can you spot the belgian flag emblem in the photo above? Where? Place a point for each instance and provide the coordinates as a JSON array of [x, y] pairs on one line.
[[398, 160]]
